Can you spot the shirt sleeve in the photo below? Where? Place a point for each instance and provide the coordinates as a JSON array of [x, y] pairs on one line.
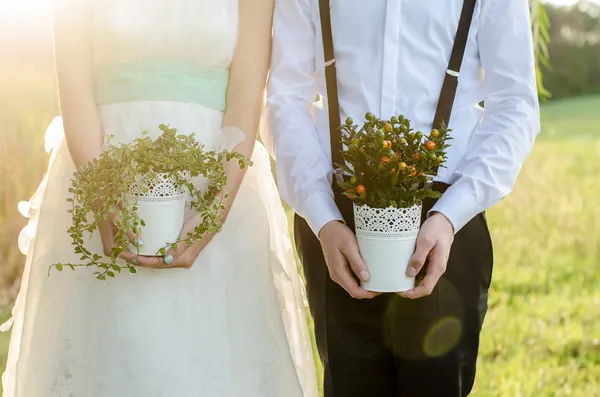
[[304, 170], [504, 139]]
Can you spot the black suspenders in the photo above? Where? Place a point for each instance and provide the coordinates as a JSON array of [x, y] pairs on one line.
[[331, 81], [447, 95]]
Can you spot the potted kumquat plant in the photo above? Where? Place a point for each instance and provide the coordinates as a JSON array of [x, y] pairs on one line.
[[386, 171]]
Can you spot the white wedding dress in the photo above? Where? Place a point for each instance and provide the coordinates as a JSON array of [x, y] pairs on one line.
[[232, 326]]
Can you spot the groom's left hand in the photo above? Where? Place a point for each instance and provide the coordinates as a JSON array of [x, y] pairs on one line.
[[433, 246]]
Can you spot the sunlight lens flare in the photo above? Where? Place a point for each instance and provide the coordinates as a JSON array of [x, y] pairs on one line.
[[21, 8], [442, 337]]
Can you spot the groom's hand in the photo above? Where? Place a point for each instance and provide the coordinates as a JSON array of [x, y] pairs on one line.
[[343, 258], [433, 246]]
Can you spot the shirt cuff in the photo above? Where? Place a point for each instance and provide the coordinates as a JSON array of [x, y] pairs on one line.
[[458, 205], [320, 209]]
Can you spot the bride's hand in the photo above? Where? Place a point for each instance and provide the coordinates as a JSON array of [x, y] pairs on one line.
[[183, 257]]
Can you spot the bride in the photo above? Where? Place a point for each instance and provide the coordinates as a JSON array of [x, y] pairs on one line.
[[223, 318]]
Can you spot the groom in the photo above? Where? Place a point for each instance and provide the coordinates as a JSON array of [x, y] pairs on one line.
[[431, 61]]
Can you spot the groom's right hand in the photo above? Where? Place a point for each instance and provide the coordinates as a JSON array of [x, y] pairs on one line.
[[342, 256]]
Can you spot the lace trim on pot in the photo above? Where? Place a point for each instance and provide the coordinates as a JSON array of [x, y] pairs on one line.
[[386, 223]]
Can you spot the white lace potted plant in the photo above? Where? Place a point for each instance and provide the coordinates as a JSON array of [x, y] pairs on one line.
[[146, 184], [386, 168]]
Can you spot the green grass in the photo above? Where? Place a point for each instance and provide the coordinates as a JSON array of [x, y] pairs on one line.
[[575, 118], [541, 336]]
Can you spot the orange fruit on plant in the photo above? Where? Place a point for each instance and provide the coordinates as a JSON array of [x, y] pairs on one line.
[[439, 159], [388, 128], [389, 143], [414, 173], [393, 170], [430, 145], [360, 189], [385, 159], [402, 165], [417, 156], [434, 133], [385, 144]]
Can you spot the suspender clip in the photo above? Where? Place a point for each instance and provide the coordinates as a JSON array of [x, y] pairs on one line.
[[428, 182], [452, 73]]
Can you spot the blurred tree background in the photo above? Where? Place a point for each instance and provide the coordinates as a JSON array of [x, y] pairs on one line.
[[573, 52]]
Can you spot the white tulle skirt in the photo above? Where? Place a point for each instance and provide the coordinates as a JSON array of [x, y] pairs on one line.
[[232, 326]]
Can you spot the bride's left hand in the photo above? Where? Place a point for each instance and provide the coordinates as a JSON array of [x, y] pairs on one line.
[[181, 258]]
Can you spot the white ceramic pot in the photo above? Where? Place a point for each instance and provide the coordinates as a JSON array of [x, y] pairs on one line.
[[162, 208], [387, 238]]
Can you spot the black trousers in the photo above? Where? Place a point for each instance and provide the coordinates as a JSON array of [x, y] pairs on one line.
[[394, 347]]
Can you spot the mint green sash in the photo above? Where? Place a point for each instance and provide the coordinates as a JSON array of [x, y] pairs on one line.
[[162, 81]]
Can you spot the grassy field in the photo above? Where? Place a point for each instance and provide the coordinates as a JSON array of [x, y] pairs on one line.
[[542, 334]]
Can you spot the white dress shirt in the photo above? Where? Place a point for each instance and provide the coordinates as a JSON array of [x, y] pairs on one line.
[[391, 58]]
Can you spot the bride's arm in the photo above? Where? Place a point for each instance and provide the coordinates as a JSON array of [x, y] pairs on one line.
[[247, 84], [73, 57], [81, 121]]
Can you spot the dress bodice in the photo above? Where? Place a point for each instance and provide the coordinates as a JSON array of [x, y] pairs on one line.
[[199, 32], [164, 49]]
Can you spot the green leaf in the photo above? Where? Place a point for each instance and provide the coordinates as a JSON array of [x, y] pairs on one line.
[[132, 270], [59, 267]]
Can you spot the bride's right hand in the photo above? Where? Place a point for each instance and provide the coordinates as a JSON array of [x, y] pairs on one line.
[[107, 228]]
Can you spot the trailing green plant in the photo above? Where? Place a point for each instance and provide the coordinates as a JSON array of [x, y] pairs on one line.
[[387, 162], [102, 187]]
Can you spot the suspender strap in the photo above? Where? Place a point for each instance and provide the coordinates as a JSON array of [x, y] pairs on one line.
[[446, 101], [447, 95], [331, 82]]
